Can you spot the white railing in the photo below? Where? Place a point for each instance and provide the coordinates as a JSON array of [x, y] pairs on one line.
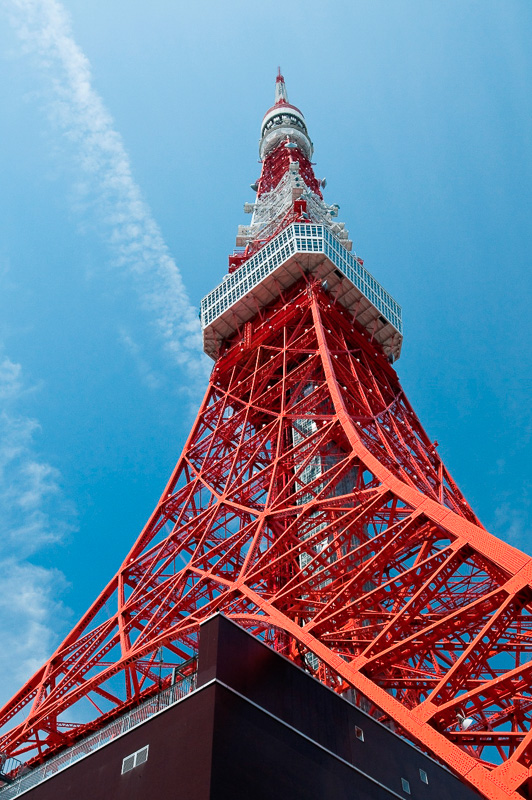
[[95, 741], [298, 238]]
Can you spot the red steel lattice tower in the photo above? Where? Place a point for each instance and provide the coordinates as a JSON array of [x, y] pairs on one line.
[[310, 506]]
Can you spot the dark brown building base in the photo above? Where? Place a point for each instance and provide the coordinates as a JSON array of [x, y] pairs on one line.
[[256, 728]]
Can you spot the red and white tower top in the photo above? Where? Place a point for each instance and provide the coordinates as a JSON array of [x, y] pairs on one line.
[[292, 229], [286, 117], [284, 141]]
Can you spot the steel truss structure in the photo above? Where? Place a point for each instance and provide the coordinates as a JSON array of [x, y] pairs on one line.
[[310, 507]]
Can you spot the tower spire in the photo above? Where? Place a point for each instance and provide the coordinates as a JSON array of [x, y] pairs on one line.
[[283, 121], [281, 95]]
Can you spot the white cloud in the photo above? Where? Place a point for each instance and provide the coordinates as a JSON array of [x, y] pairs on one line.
[[30, 495], [33, 513], [30, 619], [10, 379], [44, 28]]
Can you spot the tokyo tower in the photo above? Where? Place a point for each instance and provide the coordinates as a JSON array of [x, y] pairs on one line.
[[309, 507]]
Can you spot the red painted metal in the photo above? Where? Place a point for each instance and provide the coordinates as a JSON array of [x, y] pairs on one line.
[[276, 164], [373, 573], [310, 506]]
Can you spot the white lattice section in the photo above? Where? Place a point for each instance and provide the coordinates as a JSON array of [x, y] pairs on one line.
[[270, 210]]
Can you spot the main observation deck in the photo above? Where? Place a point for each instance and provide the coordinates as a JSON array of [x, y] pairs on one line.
[[301, 248]]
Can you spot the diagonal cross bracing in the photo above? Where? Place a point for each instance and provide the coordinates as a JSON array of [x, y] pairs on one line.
[[281, 515]]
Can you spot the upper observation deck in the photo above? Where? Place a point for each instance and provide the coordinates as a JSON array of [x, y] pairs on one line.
[[300, 248]]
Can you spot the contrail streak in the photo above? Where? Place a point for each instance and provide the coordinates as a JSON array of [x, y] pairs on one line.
[[44, 28]]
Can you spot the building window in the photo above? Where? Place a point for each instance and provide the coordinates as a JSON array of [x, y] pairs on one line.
[[359, 733], [423, 775], [405, 785], [135, 759]]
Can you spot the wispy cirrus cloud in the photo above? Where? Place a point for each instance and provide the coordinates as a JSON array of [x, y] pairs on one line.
[[43, 26], [29, 487], [33, 514], [31, 620]]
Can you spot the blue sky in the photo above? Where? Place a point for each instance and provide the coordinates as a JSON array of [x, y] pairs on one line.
[[129, 140]]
